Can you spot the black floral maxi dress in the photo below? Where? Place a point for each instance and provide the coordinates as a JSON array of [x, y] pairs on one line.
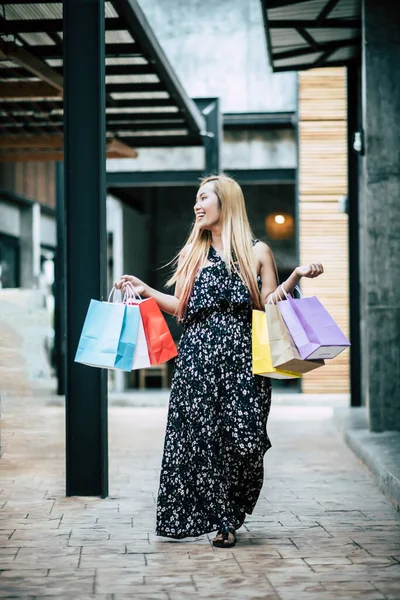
[[216, 438]]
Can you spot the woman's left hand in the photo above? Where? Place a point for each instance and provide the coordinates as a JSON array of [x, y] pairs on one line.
[[312, 270]]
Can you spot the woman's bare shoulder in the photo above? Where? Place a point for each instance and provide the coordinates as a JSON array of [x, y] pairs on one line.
[[261, 249]]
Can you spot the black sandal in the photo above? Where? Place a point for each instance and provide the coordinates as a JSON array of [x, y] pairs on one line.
[[225, 530]]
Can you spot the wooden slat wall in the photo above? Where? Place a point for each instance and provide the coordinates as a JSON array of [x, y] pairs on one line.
[[323, 229], [35, 180]]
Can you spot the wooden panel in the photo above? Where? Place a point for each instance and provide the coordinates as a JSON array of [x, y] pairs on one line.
[[322, 157], [322, 95], [323, 229]]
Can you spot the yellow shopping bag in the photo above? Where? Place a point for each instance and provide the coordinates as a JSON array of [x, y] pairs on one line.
[[261, 350]]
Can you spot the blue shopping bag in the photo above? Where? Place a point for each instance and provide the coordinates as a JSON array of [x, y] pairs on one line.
[[108, 337]]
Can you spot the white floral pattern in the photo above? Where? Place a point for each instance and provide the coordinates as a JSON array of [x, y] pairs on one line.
[[216, 437]]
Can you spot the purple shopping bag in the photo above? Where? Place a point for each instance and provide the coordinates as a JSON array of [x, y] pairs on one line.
[[312, 328]]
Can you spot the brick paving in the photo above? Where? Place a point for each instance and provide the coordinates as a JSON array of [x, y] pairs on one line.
[[321, 530]]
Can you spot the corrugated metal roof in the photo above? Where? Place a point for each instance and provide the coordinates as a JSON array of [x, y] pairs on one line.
[[145, 100], [312, 33]]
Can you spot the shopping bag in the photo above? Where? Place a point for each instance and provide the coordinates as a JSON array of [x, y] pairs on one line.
[[312, 328], [141, 358], [284, 353], [108, 337], [261, 350], [160, 344], [128, 339]]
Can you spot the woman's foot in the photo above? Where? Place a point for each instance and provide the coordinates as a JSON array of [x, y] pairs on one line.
[[225, 538]]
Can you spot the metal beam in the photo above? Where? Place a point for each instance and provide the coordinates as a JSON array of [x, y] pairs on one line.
[[145, 116], [305, 66], [85, 154], [7, 73], [268, 4], [312, 24], [328, 8], [161, 141], [322, 48], [118, 103], [140, 30], [112, 50], [31, 63], [128, 179], [28, 90], [146, 69], [135, 127], [321, 61], [258, 120], [128, 88], [51, 25], [308, 38], [120, 123]]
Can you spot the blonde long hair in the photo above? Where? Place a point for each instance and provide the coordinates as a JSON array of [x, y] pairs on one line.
[[236, 236]]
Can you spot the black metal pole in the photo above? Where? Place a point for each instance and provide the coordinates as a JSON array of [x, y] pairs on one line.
[[59, 283], [85, 196], [353, 100]]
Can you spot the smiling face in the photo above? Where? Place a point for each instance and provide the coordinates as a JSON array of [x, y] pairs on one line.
[[207, 207]]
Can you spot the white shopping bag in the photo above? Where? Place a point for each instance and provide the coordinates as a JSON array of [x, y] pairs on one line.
[[141, 358]]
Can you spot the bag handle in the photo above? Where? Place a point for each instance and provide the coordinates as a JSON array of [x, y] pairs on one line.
[[270, 301], [286, 294], [131, 293], [111, 297]]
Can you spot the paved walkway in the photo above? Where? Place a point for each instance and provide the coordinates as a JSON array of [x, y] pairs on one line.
[[321, 529]]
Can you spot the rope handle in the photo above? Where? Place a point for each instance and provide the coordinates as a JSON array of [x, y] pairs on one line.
[[286, 295], [131, 293], [111, 297]]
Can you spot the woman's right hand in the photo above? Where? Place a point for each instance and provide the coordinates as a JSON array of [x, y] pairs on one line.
[[139, 286]]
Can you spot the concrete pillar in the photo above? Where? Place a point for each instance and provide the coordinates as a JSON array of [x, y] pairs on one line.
[[30, 246], [380, 213]]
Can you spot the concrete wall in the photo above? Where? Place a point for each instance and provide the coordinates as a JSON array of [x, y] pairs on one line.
[[48, 232], [380, 213], [217, 48], [10, 219], [245, 149]]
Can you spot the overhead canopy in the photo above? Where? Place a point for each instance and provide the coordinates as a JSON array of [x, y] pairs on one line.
[[304, 34], [146, 104]]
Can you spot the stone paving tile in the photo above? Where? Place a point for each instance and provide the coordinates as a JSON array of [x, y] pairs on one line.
[[321, 530]]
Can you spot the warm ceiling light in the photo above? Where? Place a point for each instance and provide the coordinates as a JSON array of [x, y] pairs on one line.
[[279, 226]]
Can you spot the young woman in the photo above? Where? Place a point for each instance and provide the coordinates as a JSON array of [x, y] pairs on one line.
[[216, 438]]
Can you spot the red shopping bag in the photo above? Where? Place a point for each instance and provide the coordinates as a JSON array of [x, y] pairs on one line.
[[160, 344]]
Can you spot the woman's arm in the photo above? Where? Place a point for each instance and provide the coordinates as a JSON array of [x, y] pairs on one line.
[[167, 302], [267, 270]]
